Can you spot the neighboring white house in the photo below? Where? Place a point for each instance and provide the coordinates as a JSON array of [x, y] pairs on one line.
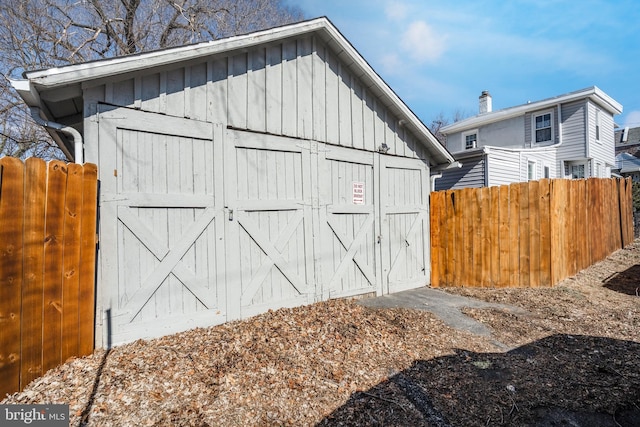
[[568, 136]]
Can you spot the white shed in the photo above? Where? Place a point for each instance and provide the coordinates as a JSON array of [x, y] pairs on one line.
[[267, 170]]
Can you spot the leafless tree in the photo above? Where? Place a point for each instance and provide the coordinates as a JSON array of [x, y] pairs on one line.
[[441, 120], [36, 34]]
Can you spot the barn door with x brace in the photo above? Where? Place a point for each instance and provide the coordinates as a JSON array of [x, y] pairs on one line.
[[404, 213], [268, 202], [161, 224], [348, 194]]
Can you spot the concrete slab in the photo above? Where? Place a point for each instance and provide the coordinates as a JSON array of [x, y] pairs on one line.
[[445, 306]]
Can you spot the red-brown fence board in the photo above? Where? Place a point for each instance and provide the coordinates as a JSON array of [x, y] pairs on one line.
[[11, 251], [528, 234], [47, 266]]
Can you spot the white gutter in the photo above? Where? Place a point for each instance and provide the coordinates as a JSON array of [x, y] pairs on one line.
[[444, 167], [433, 180], [77, 138]]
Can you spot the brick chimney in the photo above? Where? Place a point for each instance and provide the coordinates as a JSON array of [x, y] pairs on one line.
[[485, 102]]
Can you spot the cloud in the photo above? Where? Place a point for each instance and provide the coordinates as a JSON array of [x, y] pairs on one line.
[[422, 43], [396, 10], [632, 119]]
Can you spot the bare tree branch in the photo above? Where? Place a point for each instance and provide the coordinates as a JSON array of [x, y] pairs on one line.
[[36, 34]]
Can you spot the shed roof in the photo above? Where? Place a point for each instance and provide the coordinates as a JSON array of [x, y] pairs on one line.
[[58, 91], [627, 163], [593, 93]]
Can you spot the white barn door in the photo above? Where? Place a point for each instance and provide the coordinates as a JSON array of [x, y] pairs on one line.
[[404, 210], [348, 197], [161, 224], [269, 237]]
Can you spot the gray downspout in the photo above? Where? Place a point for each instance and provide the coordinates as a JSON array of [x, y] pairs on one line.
[[77, 138]]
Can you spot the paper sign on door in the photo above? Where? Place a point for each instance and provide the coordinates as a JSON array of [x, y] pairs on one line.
[[358, 193]]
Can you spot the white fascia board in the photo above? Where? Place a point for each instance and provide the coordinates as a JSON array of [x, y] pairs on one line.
[[27, 92], [71, 74], [593, 93]]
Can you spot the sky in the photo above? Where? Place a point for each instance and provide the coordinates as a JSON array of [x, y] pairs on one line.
[[439, 56]]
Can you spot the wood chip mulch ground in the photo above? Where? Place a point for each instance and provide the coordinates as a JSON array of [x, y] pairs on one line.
[[574, 360]]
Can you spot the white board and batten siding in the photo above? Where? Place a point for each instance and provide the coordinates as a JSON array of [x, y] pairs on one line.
[[250, 181], [296, 88]]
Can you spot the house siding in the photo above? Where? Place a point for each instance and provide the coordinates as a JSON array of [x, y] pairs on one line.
[[471, 174], [297, 88], [542, 159], [601, 151], [573, 134], [503, 167]]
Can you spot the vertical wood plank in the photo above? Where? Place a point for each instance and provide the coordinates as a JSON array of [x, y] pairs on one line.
[[87, 271], [534, 239], [256, 91], [319, 91], [485, 220], [466, 237], [504, 239], [525, 235], [217, 92], [514, 235], [237, 96], [71, 262], [558, 248], [476, 227], [545, 232], [494, 234], [584, 225], [53, 269], [454, 218], [629, 213], [569, 225], [12, 175], [344, 106], [616, 219], [435, 202], [289, 88], [305, 88], [357, 116], [32, 290]]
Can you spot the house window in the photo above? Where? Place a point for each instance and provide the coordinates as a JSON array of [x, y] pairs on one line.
[[577, 171], [531, 170], [547, 172], [598, 125], [543, 127], [470, 141]]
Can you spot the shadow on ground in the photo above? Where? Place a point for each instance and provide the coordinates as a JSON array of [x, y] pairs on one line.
[[561, 380], [625, 282]]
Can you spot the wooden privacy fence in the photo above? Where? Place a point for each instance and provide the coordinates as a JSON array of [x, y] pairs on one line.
[[47, 266], [528, 234]]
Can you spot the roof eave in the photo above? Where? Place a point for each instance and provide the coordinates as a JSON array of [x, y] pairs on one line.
[[593, 93]]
